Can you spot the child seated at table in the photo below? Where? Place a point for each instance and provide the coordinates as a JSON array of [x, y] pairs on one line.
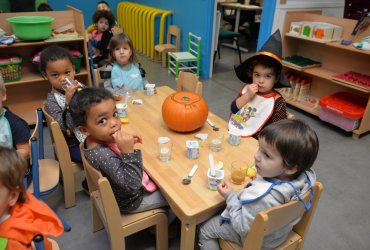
[[100, 37], [126, 74], [22, 216], [258, 104], [111, 150], [287, 150], [101, 5]]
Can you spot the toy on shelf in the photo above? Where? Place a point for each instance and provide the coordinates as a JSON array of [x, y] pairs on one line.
[[300, 62], [315, 31], [353, 78]]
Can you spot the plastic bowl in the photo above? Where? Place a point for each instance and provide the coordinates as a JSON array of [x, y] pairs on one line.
[[31, 27]]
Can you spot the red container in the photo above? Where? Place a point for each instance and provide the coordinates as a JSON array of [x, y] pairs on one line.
[[343, 109]]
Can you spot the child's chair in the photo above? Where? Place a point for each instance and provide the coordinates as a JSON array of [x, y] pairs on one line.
[[274, 218], [163, 49], [189, 82], [38, 243], [68, 167], [45, 172], [186, 61], [106, 213]]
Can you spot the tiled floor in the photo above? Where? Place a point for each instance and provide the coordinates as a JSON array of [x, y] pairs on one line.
[[341, 221]]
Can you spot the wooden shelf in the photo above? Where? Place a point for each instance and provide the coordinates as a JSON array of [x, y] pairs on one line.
[[308, 38], [41, 43], [349, 48], [297, 104]]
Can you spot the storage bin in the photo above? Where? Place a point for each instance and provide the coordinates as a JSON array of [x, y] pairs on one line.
[[11, 68], [78, 61], [342, 109]]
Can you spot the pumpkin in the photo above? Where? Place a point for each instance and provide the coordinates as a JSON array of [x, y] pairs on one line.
[[184, 111]]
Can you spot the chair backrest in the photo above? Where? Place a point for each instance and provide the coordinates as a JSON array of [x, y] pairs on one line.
[[194, 45], [275, 218], [174, 30], [188, 81], [92, 174]]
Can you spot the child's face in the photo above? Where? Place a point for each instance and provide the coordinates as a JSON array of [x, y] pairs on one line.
[[264, 77], [102, 6], [269, 162], [102, 25], [7, 199], [57, 72], [102, 121], [122, 54]]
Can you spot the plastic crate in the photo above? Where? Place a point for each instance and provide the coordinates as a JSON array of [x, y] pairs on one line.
[[342, 109], [11, 68]]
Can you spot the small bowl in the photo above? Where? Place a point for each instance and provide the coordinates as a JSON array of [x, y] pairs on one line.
[[31, 27]]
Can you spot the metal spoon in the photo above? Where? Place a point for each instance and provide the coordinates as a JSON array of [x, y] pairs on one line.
[[212, 125], [187, 180]]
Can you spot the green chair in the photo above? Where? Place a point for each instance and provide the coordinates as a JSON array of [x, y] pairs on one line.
[[186, 61], [228, 34]]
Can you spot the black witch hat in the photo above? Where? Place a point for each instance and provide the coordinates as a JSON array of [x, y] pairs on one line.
[[271, 49]]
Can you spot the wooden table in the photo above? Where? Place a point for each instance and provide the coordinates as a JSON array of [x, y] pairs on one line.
[[193, 203], [238, 7]]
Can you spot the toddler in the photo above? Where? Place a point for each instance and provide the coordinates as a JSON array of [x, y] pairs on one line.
[[258, 104], [14, 131], [100, 37], [126, 74], [111, 150], [56, 65], [22, 216], [287, 150], [101, 5]]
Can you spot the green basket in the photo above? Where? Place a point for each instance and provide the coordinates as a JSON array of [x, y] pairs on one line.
[[11, 71], [78, 61]]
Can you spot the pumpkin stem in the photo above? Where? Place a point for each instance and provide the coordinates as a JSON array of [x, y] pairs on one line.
[[185, 98]]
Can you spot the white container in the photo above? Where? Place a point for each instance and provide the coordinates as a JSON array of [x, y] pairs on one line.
[[234, 137], [192, 149], [149, 89], [121, 110], [213, 181], [164, 148]]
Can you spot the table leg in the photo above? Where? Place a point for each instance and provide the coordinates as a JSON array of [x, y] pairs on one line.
[[188, 230], [236, 29]]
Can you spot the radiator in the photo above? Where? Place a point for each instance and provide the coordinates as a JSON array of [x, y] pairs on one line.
[[138, 22]]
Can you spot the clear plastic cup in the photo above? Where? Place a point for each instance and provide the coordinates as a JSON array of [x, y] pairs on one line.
[[164, 149]]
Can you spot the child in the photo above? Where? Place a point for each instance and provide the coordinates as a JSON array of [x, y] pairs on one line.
[[287, 150], [100, 37], [14, 131], [56, 64], [111, 150], [126, 74], [258, 104], [101, 5], [22, 216]]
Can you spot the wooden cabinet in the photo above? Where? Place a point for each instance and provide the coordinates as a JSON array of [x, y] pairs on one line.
[[29, 93], [335, 59]]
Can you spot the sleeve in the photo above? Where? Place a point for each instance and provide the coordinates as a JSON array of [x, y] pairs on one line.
[[234, 108], [116, 77], [52, 107], [104, 42], [20, 130], [279, 111]]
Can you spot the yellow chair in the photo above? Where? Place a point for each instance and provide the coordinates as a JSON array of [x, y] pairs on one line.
[[274, 218], [163, 49], [188, 60], [106, 213], [68, 167], [188, 81]]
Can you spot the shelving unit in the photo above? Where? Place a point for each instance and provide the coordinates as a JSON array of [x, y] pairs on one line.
[[335, 59], [29, 93]]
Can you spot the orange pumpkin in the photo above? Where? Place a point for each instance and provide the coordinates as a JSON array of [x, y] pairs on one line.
[[184, 111]]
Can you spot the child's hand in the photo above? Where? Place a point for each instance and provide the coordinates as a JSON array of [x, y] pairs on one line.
[[252, 90], [224, 188], [125, 141], [71, 89], [137, 139], [117, 96]]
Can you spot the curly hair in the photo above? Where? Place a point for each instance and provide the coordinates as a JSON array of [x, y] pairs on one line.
[[107, 14], [54, 53], [12, 170]]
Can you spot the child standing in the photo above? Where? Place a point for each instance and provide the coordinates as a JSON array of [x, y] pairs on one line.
[[258, 104], [56, 64], [125, 74], [100, 37], [111, 150], [287, 150], [14, 131], [22, 216]]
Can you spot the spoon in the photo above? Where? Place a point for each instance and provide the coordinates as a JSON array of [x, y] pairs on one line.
[[212, 125], [187, 180]]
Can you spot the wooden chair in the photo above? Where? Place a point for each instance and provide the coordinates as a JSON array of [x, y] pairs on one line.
[[106, 213], [188, 81], [68, 167], [274, 218], [163, 49], [188, 60], [45, 172]]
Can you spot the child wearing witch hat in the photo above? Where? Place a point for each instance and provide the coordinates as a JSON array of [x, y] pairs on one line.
[[258, 104]]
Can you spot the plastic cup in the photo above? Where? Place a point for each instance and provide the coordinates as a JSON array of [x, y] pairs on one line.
[[149, 89], [215, 142], [121, 110], [213, 181], [238, 172], [164, 149], [234, 138]]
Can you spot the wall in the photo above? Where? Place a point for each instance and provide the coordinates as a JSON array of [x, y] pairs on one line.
[[190, 15]]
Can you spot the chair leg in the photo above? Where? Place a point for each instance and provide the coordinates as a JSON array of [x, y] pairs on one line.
[[237, 46], [161, 236], [69, 190], [164, 56], [96, 221]]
